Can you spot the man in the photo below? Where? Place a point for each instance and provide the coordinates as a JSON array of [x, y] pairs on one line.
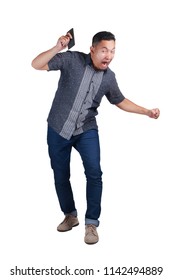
[[84, 80]]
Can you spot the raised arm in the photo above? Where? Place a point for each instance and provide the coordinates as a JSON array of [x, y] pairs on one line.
[[131, 107], [41, 61]]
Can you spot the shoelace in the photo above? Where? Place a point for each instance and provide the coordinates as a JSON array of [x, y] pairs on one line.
[[66, 220], [91, 229]]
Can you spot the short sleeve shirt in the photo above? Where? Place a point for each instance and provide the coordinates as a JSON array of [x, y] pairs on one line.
[[79, 93]]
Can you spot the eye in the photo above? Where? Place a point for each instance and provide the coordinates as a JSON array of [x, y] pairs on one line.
[[104, 51]]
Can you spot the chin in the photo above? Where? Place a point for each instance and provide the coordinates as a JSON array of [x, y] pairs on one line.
[[101, 67], [104, 67]]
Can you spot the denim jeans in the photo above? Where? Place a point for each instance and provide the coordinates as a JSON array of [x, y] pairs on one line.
[[87, 144]]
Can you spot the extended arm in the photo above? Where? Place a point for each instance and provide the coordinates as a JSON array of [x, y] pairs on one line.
[[131, 107], [41, 61]]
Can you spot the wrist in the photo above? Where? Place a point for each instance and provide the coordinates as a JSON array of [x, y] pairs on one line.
[[56, 49], [149, 113]]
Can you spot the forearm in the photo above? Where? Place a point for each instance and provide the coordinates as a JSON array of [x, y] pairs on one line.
[[131, 107], [41, 61]]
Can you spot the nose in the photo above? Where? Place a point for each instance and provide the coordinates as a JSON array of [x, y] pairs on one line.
[[109, 55]]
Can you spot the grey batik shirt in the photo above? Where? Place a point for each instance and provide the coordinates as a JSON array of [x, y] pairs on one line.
[[79, 93]]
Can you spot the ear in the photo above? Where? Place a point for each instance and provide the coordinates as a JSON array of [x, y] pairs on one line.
[[91, 49]]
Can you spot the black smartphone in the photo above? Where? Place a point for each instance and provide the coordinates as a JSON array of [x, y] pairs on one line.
[[72, 41]]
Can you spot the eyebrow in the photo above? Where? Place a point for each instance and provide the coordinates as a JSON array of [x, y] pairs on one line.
[[108, 49]]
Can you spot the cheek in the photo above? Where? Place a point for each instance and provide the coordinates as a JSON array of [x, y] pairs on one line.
[[100, 56]]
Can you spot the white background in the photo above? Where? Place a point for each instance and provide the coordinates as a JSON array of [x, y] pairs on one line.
[[136, 152]]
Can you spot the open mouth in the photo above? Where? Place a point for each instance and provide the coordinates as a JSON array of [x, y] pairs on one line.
[[105, 63]]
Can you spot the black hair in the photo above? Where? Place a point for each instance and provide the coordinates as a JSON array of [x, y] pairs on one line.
[[103, 35]]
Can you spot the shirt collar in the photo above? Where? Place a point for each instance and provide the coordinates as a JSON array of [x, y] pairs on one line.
[[88, 60]]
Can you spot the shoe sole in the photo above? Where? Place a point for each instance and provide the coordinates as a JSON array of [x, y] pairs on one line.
[[68, 229], [91, 243]]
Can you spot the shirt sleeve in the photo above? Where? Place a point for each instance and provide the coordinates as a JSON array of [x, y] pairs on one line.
[[114, 95], [55, 63], [59, 61]]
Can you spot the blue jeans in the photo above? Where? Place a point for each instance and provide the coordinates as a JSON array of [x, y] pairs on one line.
[[87, 144]]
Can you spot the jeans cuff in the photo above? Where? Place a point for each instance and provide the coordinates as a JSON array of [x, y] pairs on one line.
[[91, 222], [74, 213]]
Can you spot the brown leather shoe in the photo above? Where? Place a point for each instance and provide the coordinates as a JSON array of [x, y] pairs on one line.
[[91, 235], [68, 223]]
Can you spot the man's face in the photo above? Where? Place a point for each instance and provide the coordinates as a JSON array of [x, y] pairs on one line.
[[102, 54]]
